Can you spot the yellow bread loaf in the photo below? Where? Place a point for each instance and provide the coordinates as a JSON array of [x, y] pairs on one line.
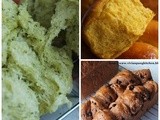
[[112, 26]]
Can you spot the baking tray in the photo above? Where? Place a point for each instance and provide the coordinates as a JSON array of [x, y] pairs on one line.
[[63, 110], [151, 114]]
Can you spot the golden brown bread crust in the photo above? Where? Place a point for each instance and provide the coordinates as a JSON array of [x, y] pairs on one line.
[[121, 111], [97, 104], [152, 87], [125, 100], [146, 106], [125, 78], [143, 92], [106, 93], [118, 89], [133, 100], [111, 27], [140, 50], [144, 74]]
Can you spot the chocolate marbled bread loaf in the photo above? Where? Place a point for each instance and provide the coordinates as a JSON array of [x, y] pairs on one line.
[[126, 97]]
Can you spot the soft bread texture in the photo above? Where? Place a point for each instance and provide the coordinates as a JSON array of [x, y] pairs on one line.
[[112, 26], [37, 76], [126, 97]]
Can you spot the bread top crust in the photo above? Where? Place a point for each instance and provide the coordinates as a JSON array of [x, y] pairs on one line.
[[112, 26]]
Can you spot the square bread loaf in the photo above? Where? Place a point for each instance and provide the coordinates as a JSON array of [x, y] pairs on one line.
[[112, 26]]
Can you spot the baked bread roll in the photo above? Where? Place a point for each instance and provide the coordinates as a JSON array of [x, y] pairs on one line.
[[125, 78], [121, 111], [132, 99], [106, 93], [144, 74], [104, 115], [111, 27], [118, 88], [97, 104], [144, 93], [152, 87], [123, 100], [140, 50]]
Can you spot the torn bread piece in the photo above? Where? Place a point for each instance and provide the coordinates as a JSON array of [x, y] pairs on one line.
[[111, 27]]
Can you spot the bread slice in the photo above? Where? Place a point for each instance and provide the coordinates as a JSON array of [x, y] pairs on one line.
[[112, 26], [94, 74]]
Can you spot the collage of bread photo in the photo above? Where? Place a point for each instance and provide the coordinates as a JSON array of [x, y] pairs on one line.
[[80, 60]]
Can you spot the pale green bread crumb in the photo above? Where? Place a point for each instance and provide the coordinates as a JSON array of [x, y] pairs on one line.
[[40, 8], [33, 68], [60, 18], [19, 101], [48, 76], [9, 23]]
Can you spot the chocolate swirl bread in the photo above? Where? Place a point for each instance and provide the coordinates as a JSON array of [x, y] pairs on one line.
[[126, 97]]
